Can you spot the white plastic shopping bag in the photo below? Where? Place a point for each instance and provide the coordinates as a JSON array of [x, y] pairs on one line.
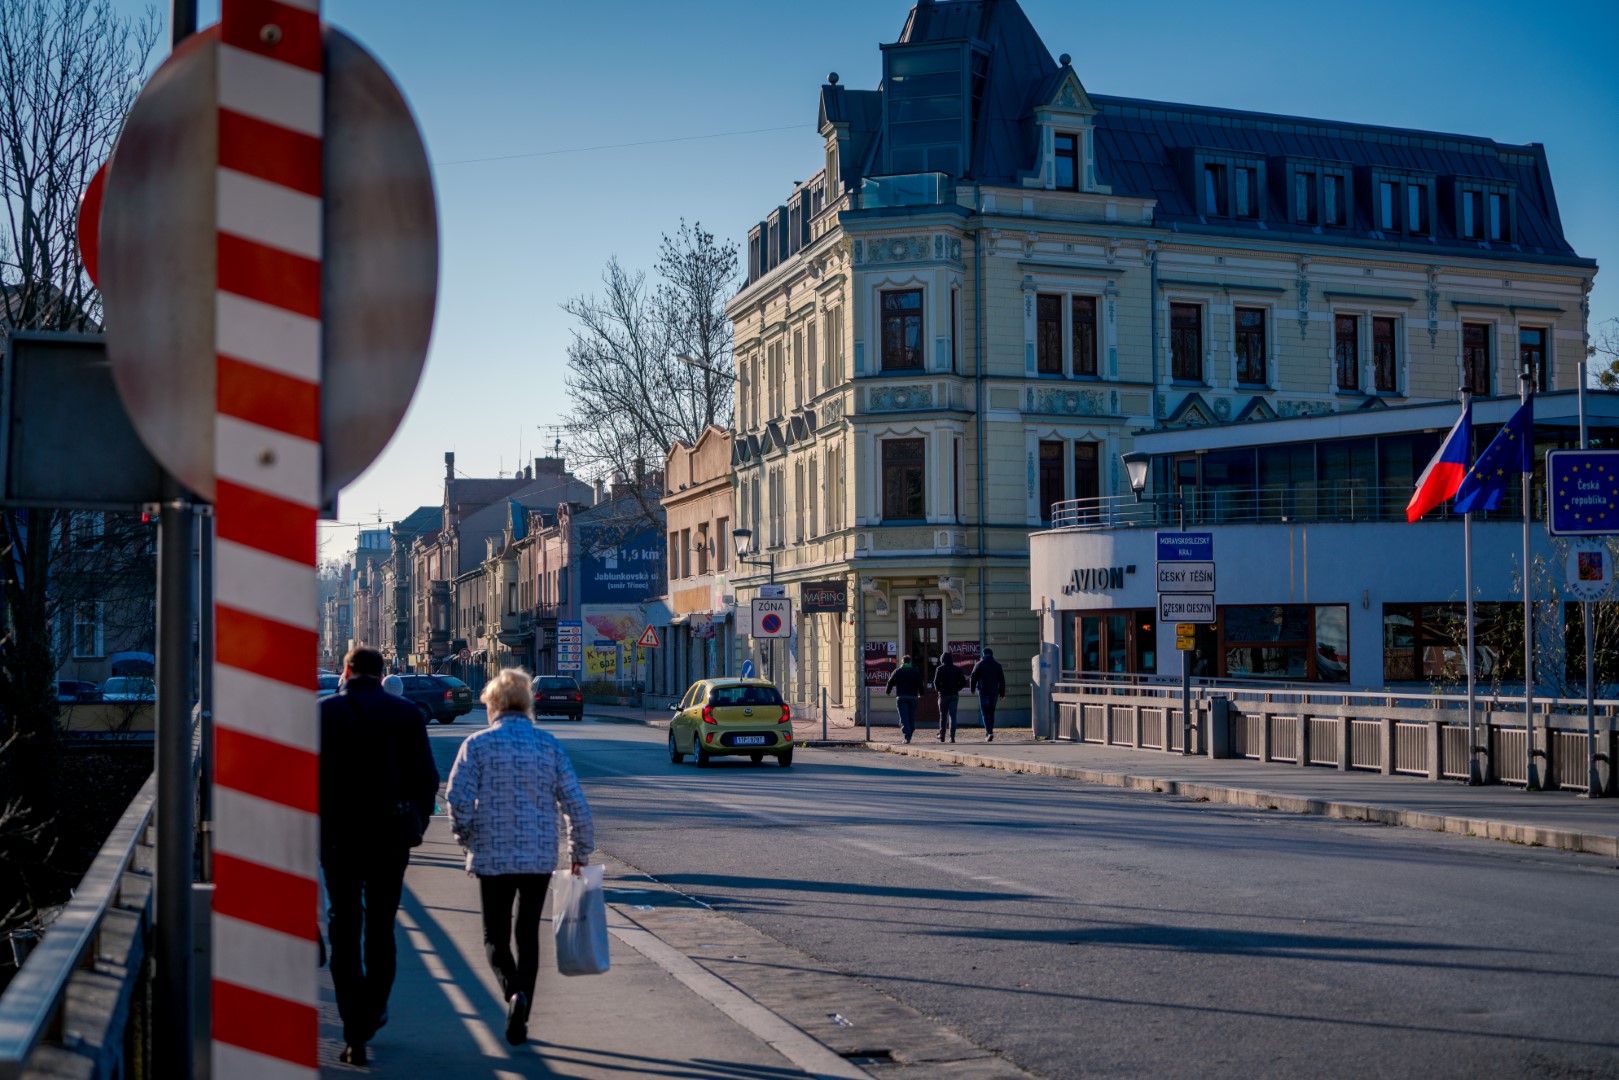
[[579, 916]]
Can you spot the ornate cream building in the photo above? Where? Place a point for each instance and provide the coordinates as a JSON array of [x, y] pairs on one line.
[[998, 277]]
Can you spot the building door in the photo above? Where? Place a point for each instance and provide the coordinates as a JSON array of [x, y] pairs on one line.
[[924, 640]]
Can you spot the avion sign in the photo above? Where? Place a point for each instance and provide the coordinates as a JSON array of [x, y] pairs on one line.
[[1095, 579]]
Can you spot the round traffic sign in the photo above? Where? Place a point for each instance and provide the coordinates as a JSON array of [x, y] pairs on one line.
[[159, 261], [747, 669], [90, 223], [770, 624]]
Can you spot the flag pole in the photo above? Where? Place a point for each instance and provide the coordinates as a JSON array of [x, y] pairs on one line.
[[1474, 774], [1531, 772]]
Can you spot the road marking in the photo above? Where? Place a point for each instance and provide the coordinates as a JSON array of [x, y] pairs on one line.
[[808, 1054]]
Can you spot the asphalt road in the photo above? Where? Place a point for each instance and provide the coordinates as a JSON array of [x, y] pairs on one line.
[[1081, 931]]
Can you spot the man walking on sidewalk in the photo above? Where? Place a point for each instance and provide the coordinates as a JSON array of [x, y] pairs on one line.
[[948, 681], [906, 683], [377, 788], [989, 683]]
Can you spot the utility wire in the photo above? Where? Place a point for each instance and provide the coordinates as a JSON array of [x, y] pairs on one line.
[[616, 146]]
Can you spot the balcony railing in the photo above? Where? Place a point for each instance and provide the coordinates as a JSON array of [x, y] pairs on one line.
[[906, 189], [1302, 504]]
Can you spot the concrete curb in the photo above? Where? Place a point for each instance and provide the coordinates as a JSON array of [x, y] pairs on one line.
[[1534, 836]]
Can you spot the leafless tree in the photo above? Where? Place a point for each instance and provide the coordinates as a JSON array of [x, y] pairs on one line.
[[651, 365], [1605, 354], [69, 71]]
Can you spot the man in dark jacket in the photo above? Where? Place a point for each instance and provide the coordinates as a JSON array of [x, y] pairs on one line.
[[377, 788], [948, 681], [988, 681], [906, 684]]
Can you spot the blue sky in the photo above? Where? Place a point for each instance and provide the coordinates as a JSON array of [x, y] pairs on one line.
[[536, 82]]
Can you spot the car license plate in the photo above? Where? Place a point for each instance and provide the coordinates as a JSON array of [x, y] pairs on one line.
[[749, 740]]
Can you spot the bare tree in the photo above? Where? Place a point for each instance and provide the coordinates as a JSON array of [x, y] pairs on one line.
[[69, 71], [1605, 354], [651, 366]]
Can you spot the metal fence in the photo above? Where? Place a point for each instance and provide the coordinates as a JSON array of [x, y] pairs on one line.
[[1391, 732], [101, 941], [1302, 504]]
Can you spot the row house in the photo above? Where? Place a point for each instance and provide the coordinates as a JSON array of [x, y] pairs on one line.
[[394, 588], [698, 504], [998, 279], [370, 552], [595, 566], [474, 511], [102, 595]]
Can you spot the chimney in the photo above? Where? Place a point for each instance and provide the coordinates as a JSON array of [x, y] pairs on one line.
[[449, 465], [548, 467]]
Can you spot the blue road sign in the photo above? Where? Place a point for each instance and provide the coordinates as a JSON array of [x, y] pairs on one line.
[[1185, 547], [1584, 486], [747, 669]]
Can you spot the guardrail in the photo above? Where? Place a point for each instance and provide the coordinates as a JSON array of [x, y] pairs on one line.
[[99, 942], [1300, 504], [1392, 731]]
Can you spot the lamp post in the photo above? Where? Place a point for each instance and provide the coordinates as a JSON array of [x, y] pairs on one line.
[[1137, 463], [742, 540]]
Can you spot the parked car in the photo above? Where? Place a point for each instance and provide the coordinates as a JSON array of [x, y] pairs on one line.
[[720, 717], [128, 688], [438, 697], [76, 692], [328, 684], [558, 695]]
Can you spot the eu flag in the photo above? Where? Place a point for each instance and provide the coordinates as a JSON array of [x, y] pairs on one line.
[[1510, 454]]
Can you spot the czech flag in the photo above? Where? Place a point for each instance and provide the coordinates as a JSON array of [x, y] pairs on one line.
[[1445, 473]]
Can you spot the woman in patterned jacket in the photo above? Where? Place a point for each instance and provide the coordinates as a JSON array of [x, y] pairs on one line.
[[507, 786]]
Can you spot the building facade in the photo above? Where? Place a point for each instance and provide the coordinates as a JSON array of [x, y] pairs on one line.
[[698, 503], [999, 278]]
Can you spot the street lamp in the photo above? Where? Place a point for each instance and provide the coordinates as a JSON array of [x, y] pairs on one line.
[[742, 540], [1137, 463]]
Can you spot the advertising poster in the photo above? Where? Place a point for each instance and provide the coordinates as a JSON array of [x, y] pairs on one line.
[[881, 657], [619, 569], [601, 662], [964, 654]]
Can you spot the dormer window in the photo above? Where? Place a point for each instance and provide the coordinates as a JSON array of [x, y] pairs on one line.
[[1484, 210], [1305, 210], [1245, 202], [1416, 210], [1065, 152], [1334, 207], [1214, 191], [1402, 201]]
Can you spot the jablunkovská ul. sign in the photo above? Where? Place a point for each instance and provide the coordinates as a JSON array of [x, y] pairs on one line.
[[1095, 579]]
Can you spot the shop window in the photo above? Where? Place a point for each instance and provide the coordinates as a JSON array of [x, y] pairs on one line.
[[1048, 334], [1083, 311], [1186, 342], [1476, 358], [1051, 477], [1428, 642], [1111, 643], [902, 330], [1301, 642], [1251, 346]]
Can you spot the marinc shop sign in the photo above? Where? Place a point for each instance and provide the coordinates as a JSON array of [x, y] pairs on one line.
[[1094, 579]]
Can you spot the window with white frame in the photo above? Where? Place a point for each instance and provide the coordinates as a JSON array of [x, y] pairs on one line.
[[812, 361], [814, 495], [1386, 354], [1066, 335], [904, 479], [799, 502], [1186, 342], [1346, 351], [1249, 345]]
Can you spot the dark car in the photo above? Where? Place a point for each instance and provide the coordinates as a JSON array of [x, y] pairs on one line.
[[558, 695], [76, 692], [437, 697]]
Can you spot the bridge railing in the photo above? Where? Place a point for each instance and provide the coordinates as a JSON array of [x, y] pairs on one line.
[[59, 1003], [1410, 732]]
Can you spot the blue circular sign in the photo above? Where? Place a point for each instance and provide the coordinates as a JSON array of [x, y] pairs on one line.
[[747, 669]]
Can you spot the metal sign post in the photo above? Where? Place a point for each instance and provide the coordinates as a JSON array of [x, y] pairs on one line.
[[1185, 576]]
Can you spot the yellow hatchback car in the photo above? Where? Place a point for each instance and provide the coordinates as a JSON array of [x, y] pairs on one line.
[[732, 718]]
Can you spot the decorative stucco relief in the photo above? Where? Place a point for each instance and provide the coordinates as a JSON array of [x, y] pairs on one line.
[[892, 398], [1075, 402]]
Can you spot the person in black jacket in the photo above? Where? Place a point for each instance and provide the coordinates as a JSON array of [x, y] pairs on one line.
[[906, 684], [377, 788], [948, 681], [988, 681]]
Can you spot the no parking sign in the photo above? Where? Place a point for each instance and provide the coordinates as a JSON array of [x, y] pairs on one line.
[[772, 618]]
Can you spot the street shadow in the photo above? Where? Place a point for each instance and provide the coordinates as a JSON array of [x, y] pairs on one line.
[[844, 888]]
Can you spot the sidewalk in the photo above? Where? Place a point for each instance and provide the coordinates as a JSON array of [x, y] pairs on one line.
[[656, 1013], [1555, 819]]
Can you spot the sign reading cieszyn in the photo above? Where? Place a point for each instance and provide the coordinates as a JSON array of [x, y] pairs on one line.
[[1186, 608]]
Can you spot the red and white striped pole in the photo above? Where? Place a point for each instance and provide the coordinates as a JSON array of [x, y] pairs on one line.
[[267, 461]]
